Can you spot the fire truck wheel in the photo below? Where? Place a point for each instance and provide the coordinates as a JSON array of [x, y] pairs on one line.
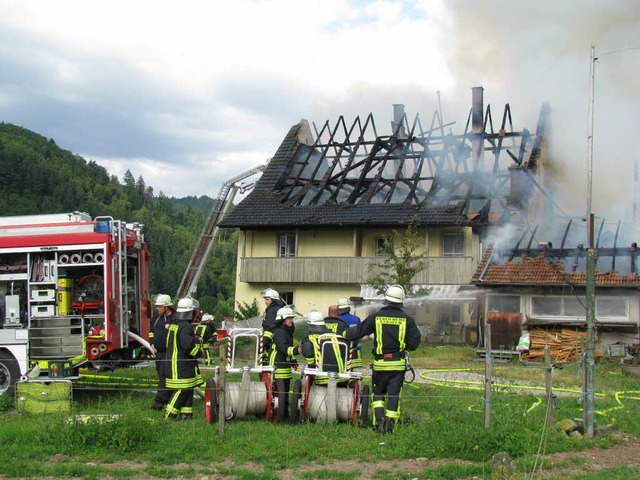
[[9, 374], [296, 400], [211, 401], [364, 406]]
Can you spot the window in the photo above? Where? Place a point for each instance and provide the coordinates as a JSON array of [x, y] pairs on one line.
[[287, 245], [611, 307], [607, 308], [453, 245], [449, 314], [287, 297], [503, 303], [384, 246]]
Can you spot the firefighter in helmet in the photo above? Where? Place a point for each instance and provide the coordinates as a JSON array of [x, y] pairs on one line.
[[158, 340], [273, 303], [394, 332], [283, 353], [344, 306], [182, 350], [207, 335]]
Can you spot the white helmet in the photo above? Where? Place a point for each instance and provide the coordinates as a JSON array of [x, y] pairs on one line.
[[314, 317], [394, 294], [343, 302], [285, 312], [207, 317], [186, 304], [163, 300], [270, 293]]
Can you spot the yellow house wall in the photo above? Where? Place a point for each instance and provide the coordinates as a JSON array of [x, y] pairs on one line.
[[305, 297], [325, 243], [340, 242]]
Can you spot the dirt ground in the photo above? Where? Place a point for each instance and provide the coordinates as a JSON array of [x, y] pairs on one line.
[[564, 465], [559, 465]]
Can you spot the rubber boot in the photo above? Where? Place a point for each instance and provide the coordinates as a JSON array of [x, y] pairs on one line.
[[389, 425], [378, 425]]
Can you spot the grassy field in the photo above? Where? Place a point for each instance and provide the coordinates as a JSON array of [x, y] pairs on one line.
[[442, 435]]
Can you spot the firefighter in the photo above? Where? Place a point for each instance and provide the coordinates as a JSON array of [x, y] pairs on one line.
[[182, 350], [282, 356], [273, 303], [158, 341], [344, 306], [333, 321], [207, 335], [394, 332], [322, 349]]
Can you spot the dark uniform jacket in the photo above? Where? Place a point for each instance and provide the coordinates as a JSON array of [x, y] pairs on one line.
[[324, 349], [282, 351], [159, 330], [394, 333], [182, 349], [269, 322], [310, 347], [335, 324]]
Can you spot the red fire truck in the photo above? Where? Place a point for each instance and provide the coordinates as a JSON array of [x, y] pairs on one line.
[[73, 289]]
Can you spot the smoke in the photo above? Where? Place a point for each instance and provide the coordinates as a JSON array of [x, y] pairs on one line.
[[526, 53]]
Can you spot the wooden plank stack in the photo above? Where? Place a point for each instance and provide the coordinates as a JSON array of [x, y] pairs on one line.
[[567, 344]]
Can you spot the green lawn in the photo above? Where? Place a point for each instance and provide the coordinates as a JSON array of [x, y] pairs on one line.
[[443, 423]]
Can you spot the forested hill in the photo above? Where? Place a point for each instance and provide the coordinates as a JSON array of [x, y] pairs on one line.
[[36, 177]]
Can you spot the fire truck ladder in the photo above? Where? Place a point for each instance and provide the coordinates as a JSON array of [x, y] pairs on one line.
[[118, 286], [189, 284]]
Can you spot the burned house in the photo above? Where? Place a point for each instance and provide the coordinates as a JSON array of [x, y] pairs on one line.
[[537, 278], [330, 196]]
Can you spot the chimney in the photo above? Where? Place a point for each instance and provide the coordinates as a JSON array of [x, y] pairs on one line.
[[397, 125], [477, 109], [477, 127]]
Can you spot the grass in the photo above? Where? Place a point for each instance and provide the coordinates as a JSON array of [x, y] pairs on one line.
[[440, 423]]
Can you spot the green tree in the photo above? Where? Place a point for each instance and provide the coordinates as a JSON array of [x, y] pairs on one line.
[[246, 311], [402, 262]]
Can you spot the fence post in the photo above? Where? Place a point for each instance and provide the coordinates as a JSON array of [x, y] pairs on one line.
[[488, 372], [222, 408]]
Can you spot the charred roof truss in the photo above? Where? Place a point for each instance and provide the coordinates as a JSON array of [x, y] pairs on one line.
[[352, 164]]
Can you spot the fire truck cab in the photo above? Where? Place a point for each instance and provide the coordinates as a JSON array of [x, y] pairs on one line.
[[73, 290]]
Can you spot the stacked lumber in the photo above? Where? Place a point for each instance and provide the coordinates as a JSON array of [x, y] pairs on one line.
[[566, 344]]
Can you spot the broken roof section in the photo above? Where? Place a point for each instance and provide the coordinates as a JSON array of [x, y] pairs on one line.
[[348, 174], [555, 255]]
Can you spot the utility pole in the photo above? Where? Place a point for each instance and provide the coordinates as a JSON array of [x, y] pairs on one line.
[[589, 376]]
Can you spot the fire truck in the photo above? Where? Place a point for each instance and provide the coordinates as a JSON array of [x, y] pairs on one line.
[[73, 290]]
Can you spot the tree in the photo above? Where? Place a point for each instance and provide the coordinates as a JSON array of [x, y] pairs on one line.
[[403, 261], [246, 311]]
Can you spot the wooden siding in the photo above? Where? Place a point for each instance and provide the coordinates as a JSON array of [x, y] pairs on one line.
[[441, 270]]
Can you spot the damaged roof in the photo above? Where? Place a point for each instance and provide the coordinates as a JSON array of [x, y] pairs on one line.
[[349, 175], [558, 257]]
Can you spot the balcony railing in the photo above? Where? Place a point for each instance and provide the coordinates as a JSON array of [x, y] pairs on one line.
[[440, 270]]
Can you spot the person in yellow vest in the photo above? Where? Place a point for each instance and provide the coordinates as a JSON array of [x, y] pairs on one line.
[[207, 335], [344, 305], [323, 349], [182, 350], [158, 341], [273, 303], [283, 359], [394, 332]]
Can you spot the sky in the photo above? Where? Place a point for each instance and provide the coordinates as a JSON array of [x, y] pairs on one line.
[[190, 94]]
